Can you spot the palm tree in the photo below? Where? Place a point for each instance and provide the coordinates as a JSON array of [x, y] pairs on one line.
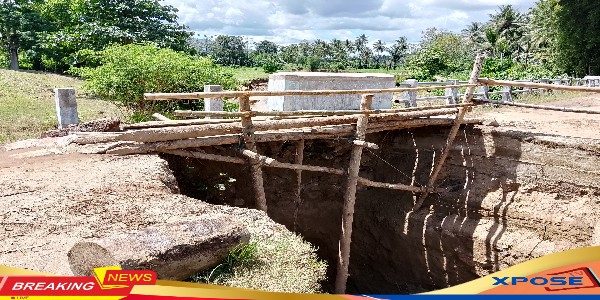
[[398, 50], [379, 47]]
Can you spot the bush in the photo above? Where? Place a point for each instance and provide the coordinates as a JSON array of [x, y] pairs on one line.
[[127, 72], [272, 66]]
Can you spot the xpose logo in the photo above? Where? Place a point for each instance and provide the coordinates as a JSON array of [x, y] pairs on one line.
[[569, 280]]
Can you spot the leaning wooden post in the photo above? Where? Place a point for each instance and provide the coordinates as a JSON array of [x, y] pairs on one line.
[[299, 161], [350, 198], [255, 166], [468, 98]]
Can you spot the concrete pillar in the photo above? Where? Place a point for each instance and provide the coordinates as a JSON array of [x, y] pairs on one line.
[[452, 93], [483, 92], [213, 104], [507, 93], [410, 96], [545, 81], [66, 107]]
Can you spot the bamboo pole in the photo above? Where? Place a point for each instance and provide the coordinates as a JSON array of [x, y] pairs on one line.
[[197, 114], [350, 198], [467, 98], [308, 133], [542, 107], [547, 86], [234, 94], [195, 131], [249, 143]]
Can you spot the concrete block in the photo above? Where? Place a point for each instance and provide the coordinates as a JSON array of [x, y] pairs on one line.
[[213, 104], [328, 81], [66, 107]]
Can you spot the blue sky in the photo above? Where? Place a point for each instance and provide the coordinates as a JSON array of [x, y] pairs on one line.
[[290, 21]]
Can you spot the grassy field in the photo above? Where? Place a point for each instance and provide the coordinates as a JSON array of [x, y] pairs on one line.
[[27, 106]]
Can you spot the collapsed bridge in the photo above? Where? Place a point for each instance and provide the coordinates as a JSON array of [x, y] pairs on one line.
[[247, 128]]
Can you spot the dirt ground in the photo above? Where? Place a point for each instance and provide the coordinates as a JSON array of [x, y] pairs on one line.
[[550, 122]]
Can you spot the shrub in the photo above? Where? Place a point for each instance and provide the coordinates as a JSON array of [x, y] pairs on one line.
[[272, 66], [127, 72]]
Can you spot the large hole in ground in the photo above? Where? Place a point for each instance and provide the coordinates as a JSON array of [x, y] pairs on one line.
[[393, 250]]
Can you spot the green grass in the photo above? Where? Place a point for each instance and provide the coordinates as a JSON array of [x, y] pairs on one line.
[[27, 106], [245, 74], [282, 262]]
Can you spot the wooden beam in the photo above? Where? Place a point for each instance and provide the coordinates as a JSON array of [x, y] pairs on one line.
[[350, 198], [160, 117], [197, 114], [467, 98], [547, 86], [237, 94], [272, 163], [308, 133], [195, 131]]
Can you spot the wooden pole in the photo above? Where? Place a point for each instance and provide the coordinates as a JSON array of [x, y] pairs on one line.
[[160, 117], [299, 160], [196, 114], [238, 94], [350, 198], [546, 86], [542, 107], [272, 163], [468, 98], [255, 167]]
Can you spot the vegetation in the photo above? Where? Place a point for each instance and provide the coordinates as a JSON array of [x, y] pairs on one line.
[[127, 72], [27, 104], [282, 262]]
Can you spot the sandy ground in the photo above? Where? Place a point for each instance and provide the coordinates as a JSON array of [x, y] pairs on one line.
[[550, 122]]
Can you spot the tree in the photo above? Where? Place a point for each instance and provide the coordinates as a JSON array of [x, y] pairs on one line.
[[229, 50], [398, 51], [19, 24], [79, 27], [265, 47], [379, 48], [578, 38]]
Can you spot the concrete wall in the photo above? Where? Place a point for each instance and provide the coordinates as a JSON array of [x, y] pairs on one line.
[[328, 81]]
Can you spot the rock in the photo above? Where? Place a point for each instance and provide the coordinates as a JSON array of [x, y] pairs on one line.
[[492, 123], [174, 251]]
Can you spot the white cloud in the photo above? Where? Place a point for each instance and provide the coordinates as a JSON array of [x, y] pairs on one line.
[[289, 21]]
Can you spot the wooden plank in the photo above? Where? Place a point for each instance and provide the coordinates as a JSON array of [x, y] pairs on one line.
[[468, 98], [309, 133]]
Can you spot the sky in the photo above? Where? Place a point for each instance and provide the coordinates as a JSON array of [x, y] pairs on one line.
[[290, 21]]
